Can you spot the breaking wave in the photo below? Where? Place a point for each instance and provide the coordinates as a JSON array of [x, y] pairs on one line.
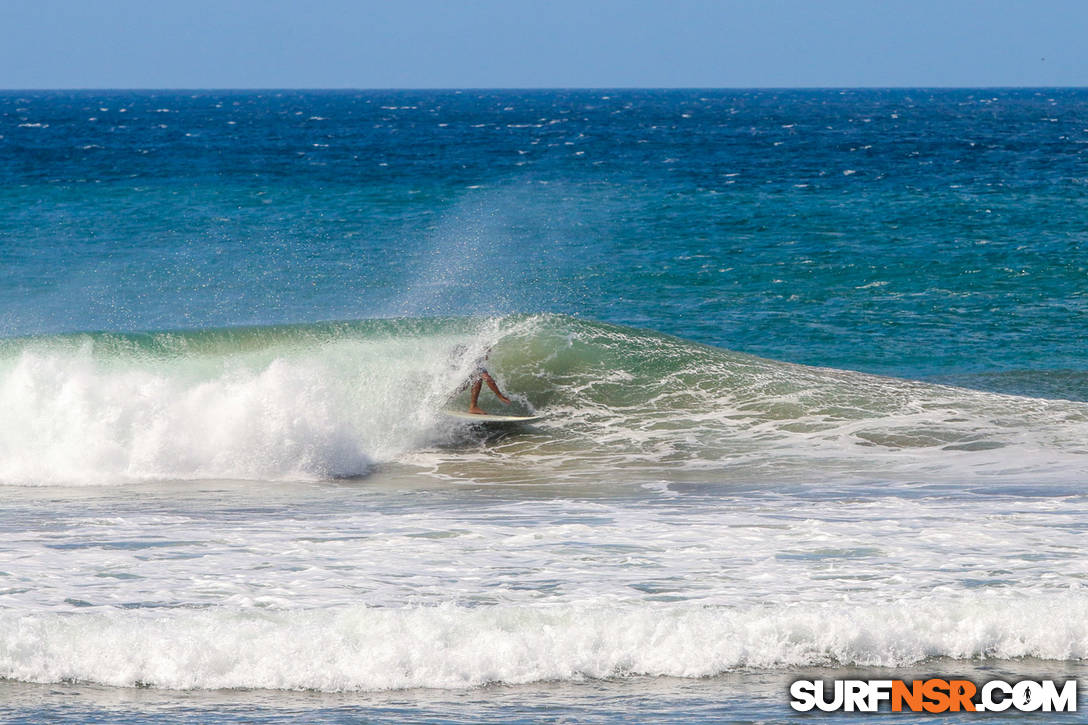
[[335, 399]]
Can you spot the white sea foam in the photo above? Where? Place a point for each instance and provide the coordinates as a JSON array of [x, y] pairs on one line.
[[362, 648], [281, 412], [308, 546]]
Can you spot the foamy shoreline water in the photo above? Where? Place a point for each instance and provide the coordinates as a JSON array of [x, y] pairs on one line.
[[450, 647], [732, 697]]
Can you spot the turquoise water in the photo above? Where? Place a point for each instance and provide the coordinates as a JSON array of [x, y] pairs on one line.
[[811, 365]]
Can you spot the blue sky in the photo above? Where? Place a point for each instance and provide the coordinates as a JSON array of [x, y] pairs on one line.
[[538, 43]]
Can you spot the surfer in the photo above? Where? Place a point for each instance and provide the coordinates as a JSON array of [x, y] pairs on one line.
[[477, 379]]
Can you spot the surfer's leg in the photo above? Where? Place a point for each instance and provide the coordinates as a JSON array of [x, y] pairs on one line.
[[475, 397], [495, 388]]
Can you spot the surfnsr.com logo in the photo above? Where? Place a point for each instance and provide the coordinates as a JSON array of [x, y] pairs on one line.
[[934, 695]]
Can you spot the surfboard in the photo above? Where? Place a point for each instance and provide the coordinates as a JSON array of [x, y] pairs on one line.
[[472, 417]]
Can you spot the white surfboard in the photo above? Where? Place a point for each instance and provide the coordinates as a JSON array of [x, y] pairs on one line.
[[474, 418]]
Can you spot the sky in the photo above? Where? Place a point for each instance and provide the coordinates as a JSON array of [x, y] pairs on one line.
[[541, 43]]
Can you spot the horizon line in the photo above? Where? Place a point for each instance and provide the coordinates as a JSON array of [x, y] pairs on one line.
[[187, 89]]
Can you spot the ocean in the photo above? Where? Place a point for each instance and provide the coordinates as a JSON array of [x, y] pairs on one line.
[[811, 366]]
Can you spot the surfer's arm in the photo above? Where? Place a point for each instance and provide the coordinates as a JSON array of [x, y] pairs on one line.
[[494, 388]]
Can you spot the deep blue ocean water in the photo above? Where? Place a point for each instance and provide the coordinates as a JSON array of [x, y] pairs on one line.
[[909, 232], [812, 367]]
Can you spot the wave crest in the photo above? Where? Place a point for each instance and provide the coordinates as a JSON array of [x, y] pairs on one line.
[[449, 646]]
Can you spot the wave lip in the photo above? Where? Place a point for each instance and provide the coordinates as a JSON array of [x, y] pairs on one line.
[[450, 646]]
